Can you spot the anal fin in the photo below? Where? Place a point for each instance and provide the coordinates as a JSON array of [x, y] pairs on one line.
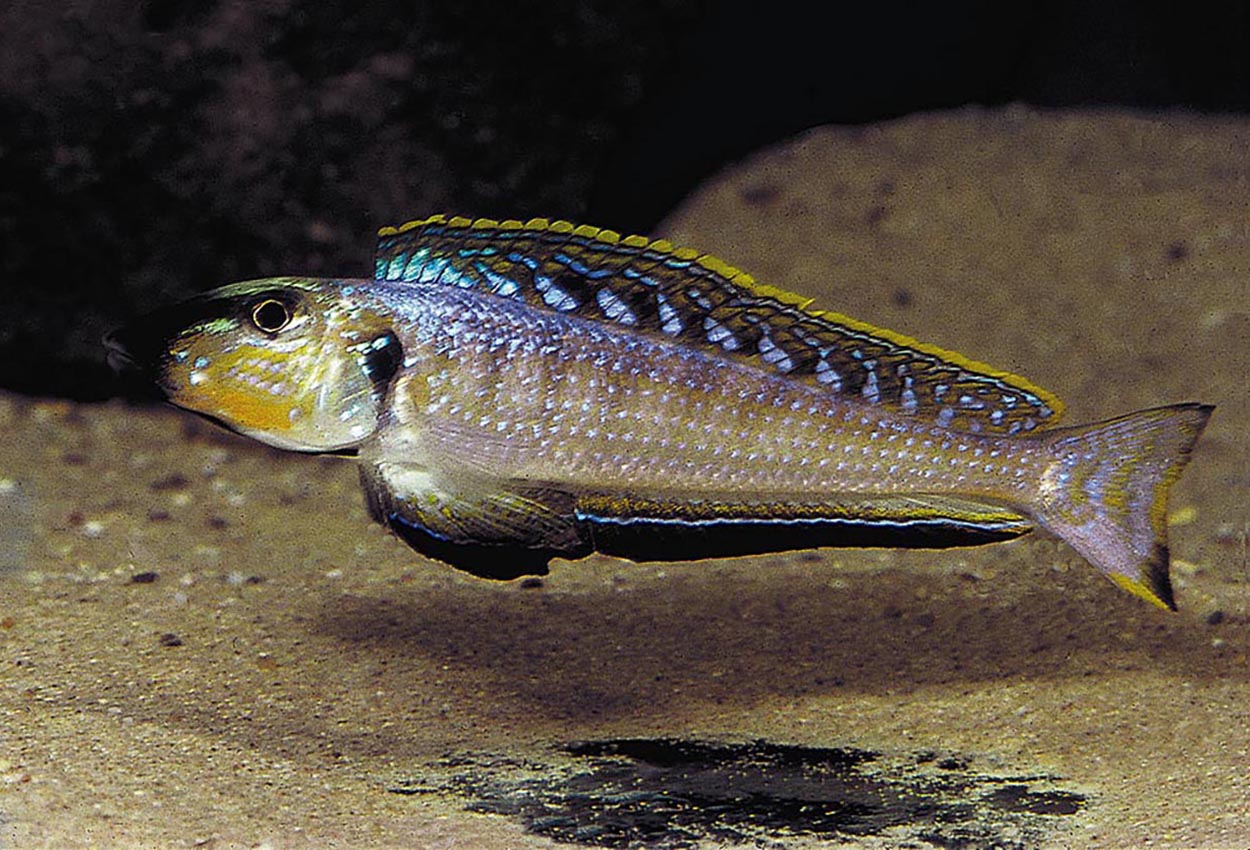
[[675, 529]]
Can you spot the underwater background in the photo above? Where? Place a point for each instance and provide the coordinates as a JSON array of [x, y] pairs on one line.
[[207, 642]]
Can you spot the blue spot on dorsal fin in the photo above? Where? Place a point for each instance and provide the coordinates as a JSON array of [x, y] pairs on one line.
[[677, 294]]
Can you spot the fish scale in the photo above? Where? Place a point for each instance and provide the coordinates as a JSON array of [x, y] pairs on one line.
[[519, 392], [650, 428]]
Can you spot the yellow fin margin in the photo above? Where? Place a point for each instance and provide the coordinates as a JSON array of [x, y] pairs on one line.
[[739, 278]]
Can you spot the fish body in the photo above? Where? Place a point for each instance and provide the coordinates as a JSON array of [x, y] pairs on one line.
[[517, 392]]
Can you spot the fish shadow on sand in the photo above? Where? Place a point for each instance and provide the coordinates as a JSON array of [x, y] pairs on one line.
[[774, 627]]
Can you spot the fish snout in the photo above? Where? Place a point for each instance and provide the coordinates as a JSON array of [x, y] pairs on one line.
[[134, 355], [117, 351]]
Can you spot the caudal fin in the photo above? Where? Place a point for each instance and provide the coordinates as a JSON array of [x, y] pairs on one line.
[[1106, 492]]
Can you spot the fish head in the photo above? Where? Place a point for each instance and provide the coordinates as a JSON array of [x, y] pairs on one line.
[[296, 363]]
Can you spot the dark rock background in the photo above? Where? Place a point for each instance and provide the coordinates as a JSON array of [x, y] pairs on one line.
[[151, 149]]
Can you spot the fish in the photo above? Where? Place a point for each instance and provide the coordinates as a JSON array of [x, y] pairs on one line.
[[516, 392]]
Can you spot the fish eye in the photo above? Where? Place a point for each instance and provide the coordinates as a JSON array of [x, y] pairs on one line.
[[271, 315]]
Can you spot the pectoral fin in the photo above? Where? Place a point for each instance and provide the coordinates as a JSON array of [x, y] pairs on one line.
[[489, 533], [689, 529]]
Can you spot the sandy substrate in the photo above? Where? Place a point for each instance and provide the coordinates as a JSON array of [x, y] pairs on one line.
[[207, 643]]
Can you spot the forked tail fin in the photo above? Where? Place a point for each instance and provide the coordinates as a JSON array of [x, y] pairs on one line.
[[1106, 492]]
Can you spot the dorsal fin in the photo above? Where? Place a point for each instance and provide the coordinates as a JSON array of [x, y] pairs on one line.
[[677, 293]]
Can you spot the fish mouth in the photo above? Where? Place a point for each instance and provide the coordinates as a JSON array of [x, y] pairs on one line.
[[136, 374], [117, 352], [135, 349]]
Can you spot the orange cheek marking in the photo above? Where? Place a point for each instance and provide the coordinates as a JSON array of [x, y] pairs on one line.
[[247, 409], [235, 389]]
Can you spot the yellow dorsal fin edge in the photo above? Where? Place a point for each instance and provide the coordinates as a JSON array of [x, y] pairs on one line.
[[739, 278]]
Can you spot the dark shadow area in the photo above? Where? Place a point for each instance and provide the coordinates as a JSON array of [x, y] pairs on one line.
[[669, 793], [707, 633]]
